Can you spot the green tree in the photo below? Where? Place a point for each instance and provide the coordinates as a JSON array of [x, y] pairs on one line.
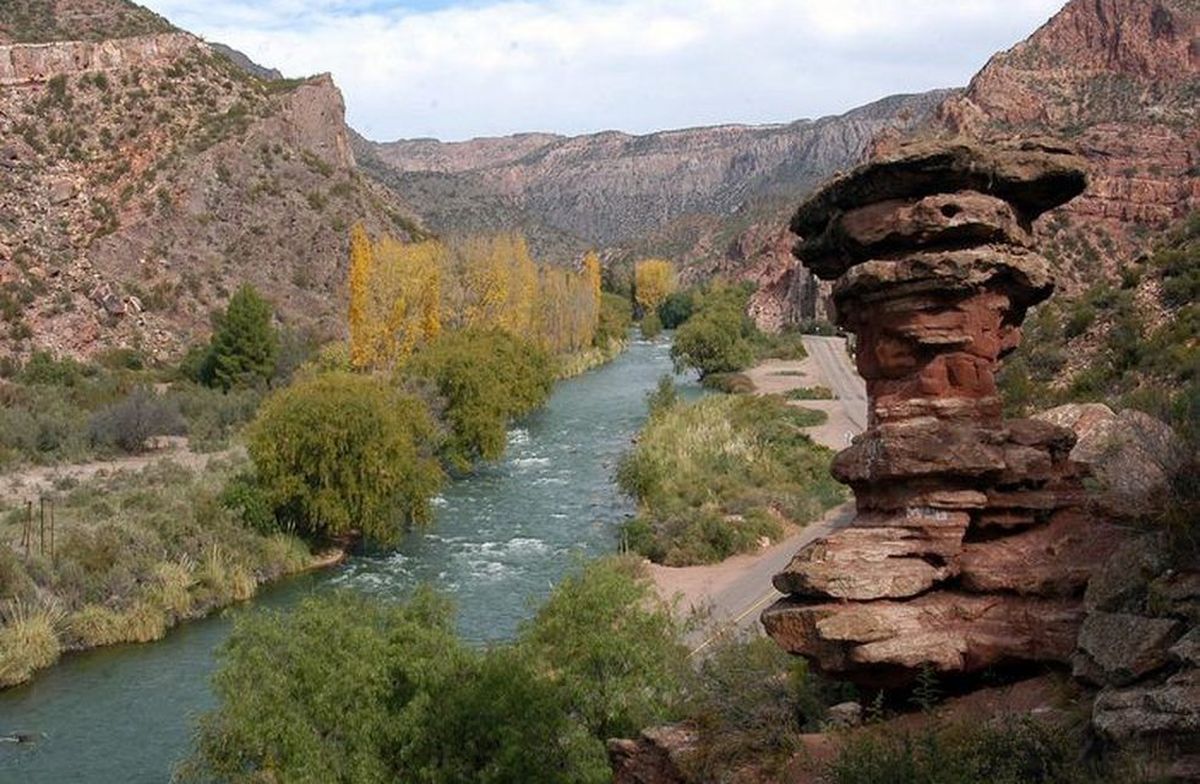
[[340, 452], [712, 343], [607, 639], [676, 309], [244, 343], [485, 379]]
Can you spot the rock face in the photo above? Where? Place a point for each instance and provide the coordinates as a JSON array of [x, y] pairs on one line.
[[1119, 77], [975, 538], [145, 178]]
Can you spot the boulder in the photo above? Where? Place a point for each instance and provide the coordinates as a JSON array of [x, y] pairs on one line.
[[1031, 177], [879, 557], [1119, 648], [1131, 454], [887, 642], [1154, 715], [653, 758], [1054, 559]]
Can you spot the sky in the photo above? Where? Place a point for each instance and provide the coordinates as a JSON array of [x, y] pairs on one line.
[[456, 69]]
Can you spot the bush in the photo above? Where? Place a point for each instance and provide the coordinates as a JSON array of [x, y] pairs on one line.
[[652, 327], [28, 641], [730, 383], [129, 424], [616, 316], [718, 338], [1005, 751], [612, 646], [485, 379], [810, 393], [713, 477], [712, 343], [664, 397], [751, 703], [676, 309], [341, 453], [349, 688]]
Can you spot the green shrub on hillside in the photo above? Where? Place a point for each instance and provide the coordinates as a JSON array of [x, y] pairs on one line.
[[713, 477], [676, 309], [1006, 751], [484, 379], [651, 326], [341, 453], [244, 344]]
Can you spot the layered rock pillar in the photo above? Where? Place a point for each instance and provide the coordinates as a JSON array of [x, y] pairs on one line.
[[973, 541]]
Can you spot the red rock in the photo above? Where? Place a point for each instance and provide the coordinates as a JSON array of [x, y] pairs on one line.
[[1053, 559], [888, 642]]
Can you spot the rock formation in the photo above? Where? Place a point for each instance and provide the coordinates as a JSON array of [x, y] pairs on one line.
[[974, 539]]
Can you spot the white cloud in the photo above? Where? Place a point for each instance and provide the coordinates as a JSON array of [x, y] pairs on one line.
[[455, 70]]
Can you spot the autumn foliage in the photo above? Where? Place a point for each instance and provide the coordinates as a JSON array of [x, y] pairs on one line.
[[402, 296], [654, 280]]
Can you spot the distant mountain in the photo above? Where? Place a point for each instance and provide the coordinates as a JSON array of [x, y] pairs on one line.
[[144, 176], [611, 188]]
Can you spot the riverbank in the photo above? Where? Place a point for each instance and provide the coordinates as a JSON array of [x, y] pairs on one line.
[[574, 365], [124, 553], [732, 590]]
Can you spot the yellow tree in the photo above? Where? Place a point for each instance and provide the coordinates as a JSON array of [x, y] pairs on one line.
[[361, 270], [405, 297], [654, 280], [591, 271]]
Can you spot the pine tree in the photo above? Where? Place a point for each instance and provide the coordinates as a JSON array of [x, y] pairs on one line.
[[244, 345]]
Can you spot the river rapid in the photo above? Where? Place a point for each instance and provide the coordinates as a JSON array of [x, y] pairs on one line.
[[500, 541]]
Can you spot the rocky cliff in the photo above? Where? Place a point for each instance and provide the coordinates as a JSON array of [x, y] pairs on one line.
[[1121, 80], [144, 178]]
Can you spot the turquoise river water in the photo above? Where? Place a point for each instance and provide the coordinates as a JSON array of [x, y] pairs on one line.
[[501, 539]]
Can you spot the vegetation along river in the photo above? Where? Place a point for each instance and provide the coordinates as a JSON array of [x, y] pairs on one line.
[[500, 541]]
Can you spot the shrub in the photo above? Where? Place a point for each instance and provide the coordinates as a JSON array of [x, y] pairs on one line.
[[652, 327], [485, 380], [28, 641], [730, 383], [664, 397], [616, 316], [713, 477], [244, 496], [339, 453], [129, 424], [606, 639], [810, 393], [676, 309], [751, 702], [43, 368], [385, 691], [712, 344], [1005, 751]]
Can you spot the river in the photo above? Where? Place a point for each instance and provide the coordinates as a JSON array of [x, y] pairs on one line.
[[501, 539]]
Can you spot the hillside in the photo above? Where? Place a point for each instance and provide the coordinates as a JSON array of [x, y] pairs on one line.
[[1119, 79], [608, 188], [149, 176]]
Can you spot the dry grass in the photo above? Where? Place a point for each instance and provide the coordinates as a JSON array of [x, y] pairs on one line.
[[28, 640]]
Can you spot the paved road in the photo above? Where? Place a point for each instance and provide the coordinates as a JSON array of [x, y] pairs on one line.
[[830, 354], [740, 603]]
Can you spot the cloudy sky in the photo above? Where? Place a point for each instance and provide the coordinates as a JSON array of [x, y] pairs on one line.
[[453, 69]]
